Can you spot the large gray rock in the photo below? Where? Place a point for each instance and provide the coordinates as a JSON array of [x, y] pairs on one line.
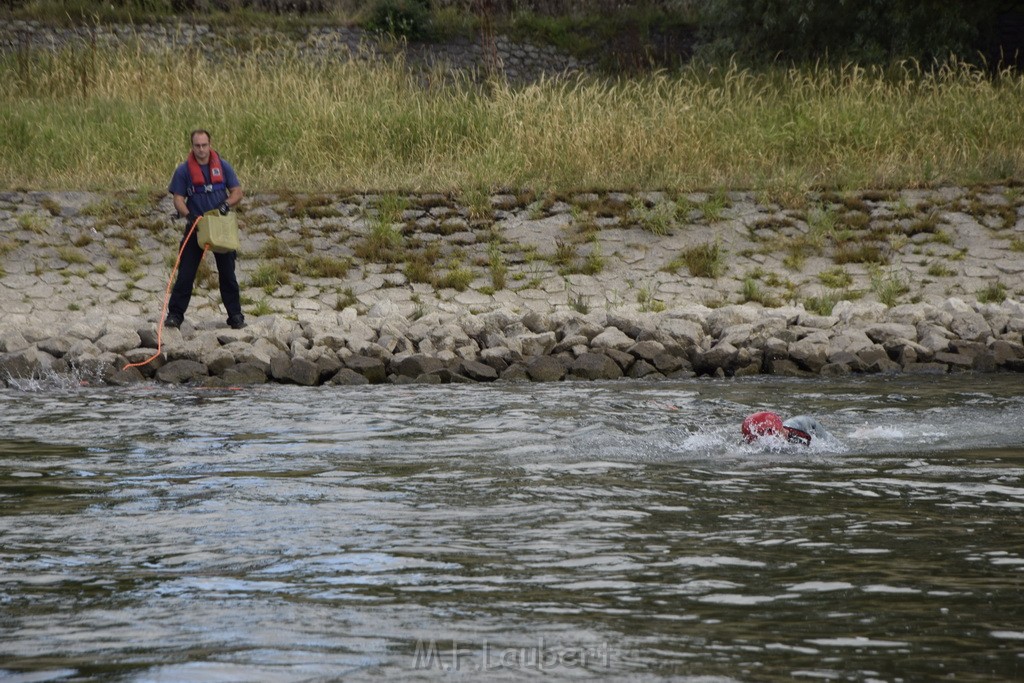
[[859, 313], [883, 333], [848, 341], [279, 331], [125, 377], [722, 355], [219, 360], [810, 353], [515, 373], [12, 340], [55, 346], [667, 362], [24, 364], [646, 350], [636, 324], [416, 365], [622, 359], [245, 373], [594, 366], [720, 319], [971, 326], [182, 371], [612, 338], [348, 377], [539, 344], [146, 356], [684, 332], [477, 371], [537, 322], [301, 371], [544, 369], [119, 341], [642, 369], [1004, 351], [372, 369], [259, 353]]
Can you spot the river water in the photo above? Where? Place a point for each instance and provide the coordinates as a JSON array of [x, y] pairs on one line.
[[576, 531]]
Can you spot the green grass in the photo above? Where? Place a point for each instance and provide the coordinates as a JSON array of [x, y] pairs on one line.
[[269, 276], [994, 293], [32, 223], [69, 115], [936, 269], [836, 278], [823, 305], [71, 255], [658, 219], [346, 298], [457, 278], [888, 287], [496, 264], [127, 265], [383, 244], [752, 292], [324, 266], [261, 307], [705, 260]]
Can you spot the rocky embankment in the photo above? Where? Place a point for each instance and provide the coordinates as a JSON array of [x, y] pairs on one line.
[[385, 346], [432, 288]]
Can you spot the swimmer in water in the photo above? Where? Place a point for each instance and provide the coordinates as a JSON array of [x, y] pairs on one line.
[[800, 429]]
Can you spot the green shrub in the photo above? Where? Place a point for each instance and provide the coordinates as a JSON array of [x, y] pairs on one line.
[[400, 18], [868, 32]]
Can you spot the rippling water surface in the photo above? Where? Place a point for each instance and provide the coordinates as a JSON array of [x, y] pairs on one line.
[[574, 530]]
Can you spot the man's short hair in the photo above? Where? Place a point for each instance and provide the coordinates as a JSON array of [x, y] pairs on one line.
[[199, 131]]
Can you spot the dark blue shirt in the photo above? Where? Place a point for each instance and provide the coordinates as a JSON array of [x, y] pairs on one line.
[[201, 202]]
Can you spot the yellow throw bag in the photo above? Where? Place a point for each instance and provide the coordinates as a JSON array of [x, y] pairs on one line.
[[220, 232]]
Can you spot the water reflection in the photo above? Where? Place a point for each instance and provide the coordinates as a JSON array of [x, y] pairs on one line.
[[570, 531]]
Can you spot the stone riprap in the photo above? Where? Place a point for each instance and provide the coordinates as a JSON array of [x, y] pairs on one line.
[[433, 288]]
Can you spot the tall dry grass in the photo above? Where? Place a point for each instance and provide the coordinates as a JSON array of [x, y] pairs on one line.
[[118, 118]]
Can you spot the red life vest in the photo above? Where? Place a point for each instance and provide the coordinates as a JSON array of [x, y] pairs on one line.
[[199, 183]]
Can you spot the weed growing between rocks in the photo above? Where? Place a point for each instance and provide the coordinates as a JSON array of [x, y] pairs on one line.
[[705, 260], [888, 287], [994, 293]]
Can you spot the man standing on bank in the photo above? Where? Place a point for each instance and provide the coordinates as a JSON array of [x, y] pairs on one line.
[[205, 182]]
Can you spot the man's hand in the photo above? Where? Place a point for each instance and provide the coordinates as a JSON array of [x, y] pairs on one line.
[[225, 209]]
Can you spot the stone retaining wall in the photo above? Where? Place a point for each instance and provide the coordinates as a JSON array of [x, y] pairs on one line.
[[518, 61]]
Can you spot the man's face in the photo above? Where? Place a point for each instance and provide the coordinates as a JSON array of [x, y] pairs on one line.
[[201, 147]]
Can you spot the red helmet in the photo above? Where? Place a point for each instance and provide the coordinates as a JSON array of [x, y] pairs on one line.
[[762, 424]]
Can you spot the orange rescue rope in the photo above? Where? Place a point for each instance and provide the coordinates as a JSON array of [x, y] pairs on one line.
[[167, 298]]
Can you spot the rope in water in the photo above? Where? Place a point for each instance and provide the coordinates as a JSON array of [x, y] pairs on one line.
[[167, 298]]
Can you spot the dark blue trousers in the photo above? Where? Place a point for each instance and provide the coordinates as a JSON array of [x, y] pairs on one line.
[[181, 294]]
